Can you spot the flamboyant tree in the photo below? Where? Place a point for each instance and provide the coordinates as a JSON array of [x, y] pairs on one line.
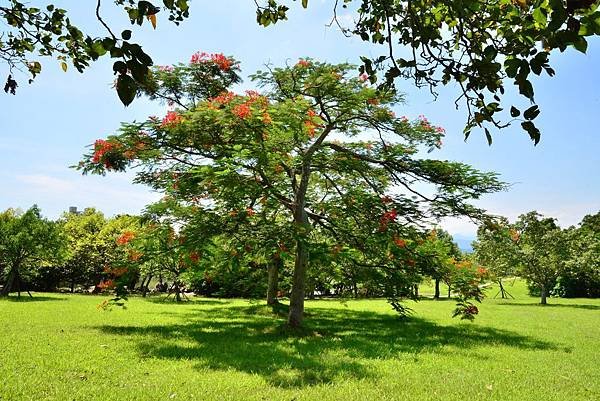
[[320, 143]]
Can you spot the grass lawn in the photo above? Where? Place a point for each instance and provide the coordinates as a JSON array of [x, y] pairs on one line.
[[60, 347]]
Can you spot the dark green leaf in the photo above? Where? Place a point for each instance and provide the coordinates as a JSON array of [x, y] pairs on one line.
[[488, 136], [514, 112], [126, 89], [532, 130], [532, 112]]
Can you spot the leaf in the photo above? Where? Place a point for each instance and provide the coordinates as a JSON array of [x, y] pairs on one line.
[[532, 130], [532, 112], [120, 66], [488, 136], [304, 3], [64, 66], [152, 19], [526, 89], [581, 44], [514, 112], [126, 89], [126, 34]]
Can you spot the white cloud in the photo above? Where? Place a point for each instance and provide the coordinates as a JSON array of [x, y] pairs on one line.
[[46, 183]]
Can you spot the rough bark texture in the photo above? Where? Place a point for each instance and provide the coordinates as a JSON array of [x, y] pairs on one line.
[[296, 313], [301, 264], [273, 279], [298, 285]]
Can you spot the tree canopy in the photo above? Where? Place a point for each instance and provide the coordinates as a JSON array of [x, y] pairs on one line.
[[320, 144], [478, 45], [27, 240]]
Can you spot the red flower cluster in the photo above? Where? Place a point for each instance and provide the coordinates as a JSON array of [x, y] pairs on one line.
[[303, 63], [134, 255], [171, 119], [387, 218], [309, 124], [101, 147], [106, 284], [125, 237], [400, 242], [223, 98], [219, 59], [242, 111], [194, 257]]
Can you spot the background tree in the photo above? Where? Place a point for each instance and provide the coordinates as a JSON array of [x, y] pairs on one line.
[[581, 276], [497, 249], [322, 144], [27, 241], [440, 252], [476, 45], [544, 250], [87, 247]]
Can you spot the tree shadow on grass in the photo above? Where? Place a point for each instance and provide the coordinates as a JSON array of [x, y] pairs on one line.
[[27, 298], [162, 299], [335, 345], [573, 306]]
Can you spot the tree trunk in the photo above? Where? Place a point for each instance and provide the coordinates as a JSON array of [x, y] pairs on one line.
[[416, 290], [177, 291], [544, 294], [10, 281], [449, 289], [502, 291], [298, 284], [437, 289], [273, 279], [296, 313], [145, 284]]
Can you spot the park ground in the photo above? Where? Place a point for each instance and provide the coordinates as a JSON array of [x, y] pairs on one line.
[[62, 347]]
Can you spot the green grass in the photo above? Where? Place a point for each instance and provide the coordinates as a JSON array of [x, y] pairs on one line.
[[60, 347]]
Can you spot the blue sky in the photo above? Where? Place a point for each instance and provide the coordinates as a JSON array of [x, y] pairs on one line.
[[47, 126]]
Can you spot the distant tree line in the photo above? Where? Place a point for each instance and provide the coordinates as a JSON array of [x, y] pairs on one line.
[[554, 261]]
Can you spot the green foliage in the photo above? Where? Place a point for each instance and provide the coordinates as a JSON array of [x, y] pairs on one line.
[[32, 33], [319, 158], [27, 242], [497, 248], [543, 250], [477, 45], [88, 247]]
